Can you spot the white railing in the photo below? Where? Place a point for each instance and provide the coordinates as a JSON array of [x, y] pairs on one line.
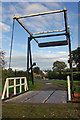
[[7, 86], [69, 90]]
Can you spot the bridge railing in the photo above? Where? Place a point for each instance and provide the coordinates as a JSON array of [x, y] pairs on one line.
[[7, 86]]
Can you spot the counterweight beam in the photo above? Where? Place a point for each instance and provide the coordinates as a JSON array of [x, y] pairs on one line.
[[49, 44]]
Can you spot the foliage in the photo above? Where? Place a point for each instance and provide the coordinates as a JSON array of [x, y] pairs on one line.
[[76, 76], [76, 57], [52, 74], [77, 89], [59, 65], [63, 76], [2, 60], [36, 70], [68, 70]]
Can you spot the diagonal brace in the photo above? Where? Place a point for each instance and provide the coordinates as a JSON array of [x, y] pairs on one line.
[[26, 29]]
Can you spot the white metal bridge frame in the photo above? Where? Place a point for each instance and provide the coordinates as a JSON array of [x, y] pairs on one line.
[[6, 92]]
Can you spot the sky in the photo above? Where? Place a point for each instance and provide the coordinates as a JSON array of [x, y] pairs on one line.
[[44, 57]]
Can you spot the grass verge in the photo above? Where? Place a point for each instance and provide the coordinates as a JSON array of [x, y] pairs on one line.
[[36, 85], [37, 111]]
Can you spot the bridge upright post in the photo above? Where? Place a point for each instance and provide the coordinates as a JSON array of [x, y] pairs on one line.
[[28, 62], [70, 63], [31, 61], [69, 43]]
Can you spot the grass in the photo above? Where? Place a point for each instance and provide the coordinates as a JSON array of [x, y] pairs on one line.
[[73, 72], [64, 81], [0, 88], [59, 81], [37, 111], [75, 83], [36, 85], [77, 89]]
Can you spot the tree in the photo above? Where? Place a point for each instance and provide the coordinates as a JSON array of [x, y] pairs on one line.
[[36, 70], [2, 60], [52, 74], [59, 65], [76, 57]]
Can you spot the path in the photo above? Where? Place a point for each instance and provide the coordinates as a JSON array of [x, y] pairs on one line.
[[57, 96], [51, 85]]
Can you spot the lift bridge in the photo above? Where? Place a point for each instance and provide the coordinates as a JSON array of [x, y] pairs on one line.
[[64, 32]]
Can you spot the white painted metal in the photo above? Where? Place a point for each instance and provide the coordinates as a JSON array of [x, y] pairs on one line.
[[26, 85], [69, 90], [16, 78], [38, 14], [48, 32], [20, 86], [14, 86], [6, 86]]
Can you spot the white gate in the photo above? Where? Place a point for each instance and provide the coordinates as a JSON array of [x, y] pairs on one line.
[[14, 85]]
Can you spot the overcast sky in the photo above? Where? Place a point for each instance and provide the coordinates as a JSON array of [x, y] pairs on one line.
[[44, 57]]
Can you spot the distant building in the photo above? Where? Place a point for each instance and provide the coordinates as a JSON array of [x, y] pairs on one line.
[[38, 76], [44, 72]]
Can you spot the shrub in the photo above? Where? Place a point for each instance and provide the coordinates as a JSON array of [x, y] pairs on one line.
[[52, 74]]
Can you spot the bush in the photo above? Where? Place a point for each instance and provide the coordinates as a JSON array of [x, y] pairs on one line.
[[62, 76], [55, 75], [76, 76], [52, 74]]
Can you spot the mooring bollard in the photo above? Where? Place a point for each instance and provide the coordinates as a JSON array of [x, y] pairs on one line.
[[69, 90]]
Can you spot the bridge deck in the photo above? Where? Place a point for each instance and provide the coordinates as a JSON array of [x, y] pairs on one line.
[[57, 96]]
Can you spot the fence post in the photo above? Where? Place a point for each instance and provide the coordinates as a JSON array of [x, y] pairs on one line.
[[20, 86], [69, 90], [7, 88], [26, 85], [14, 86]]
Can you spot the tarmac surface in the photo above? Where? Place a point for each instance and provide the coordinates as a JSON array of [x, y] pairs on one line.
[[57, 96]]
